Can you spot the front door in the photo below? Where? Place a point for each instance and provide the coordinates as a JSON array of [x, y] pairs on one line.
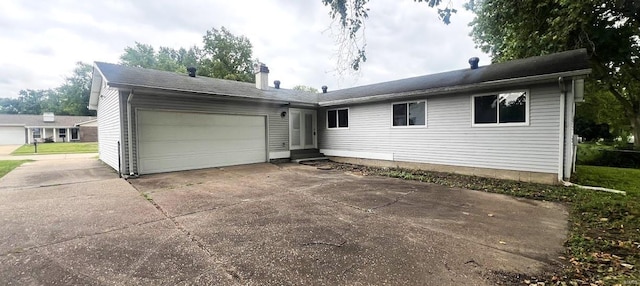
[[302, 129]]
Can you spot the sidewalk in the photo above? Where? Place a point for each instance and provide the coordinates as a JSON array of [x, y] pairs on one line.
[[49, 156]]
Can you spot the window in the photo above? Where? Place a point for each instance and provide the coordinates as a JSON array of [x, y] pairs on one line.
[[62, 132], [74, 134], [36, 133], [338, 118], [503, 108], [409, 114]]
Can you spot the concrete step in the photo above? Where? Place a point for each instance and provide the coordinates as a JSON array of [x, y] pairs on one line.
[[309, 159]]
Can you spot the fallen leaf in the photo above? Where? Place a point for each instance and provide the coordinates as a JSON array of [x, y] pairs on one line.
[[604, 219], [502, 242], [491, 215]]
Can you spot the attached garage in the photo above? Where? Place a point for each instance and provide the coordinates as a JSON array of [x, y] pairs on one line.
[[175, 141], [12, 135]]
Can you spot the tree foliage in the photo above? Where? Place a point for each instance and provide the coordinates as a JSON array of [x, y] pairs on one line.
[[71, 98], [350, 16], [224, 55], [609, 30], [305, 88]]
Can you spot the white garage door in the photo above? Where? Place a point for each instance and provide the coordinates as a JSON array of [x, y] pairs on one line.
[[175, 141], [12, 135]]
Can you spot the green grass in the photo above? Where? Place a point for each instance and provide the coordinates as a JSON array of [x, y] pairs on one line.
[[623, 179], [8, 166], [57, 148], [604, 228]]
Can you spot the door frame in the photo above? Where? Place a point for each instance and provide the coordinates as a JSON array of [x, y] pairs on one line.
[[314, 126]]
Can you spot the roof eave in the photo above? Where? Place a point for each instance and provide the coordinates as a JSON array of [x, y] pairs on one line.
[[459, 88], [230, 96]]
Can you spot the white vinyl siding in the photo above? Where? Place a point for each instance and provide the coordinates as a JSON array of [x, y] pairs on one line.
[[277, 126], [109, 125], [450, 138]]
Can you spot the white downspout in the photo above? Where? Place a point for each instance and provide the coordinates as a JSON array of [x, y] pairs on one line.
[[129, 135], [563, 95]]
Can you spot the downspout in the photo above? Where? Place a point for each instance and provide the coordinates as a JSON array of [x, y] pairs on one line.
[[129, 135], [563, 95]]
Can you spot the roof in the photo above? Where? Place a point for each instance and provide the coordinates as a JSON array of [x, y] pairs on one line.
[[569, 62], [37, 120], [133, 77], [547, 67]]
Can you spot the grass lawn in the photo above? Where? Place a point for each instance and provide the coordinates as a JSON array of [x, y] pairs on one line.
[[8, 166], [58, 148], [603, 247]]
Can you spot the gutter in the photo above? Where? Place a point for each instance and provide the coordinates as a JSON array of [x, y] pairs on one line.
[[206, 94], [129, 135], [563, 98], [454, 89]]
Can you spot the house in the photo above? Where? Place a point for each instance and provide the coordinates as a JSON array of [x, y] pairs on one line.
[[509, 120], [17, 129]]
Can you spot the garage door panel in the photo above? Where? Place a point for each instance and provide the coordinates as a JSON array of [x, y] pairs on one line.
[[161, 133], [166, 148], [12, 135], [174, 141]]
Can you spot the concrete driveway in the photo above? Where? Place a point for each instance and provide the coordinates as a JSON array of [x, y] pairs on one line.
[[263, 224]]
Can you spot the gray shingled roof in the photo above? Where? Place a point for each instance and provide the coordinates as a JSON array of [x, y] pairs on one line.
[[132, 77], [37, 120], [554, 64], [575, 60]]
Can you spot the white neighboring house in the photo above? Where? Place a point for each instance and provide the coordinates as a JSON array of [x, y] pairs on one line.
[[18, 129], [511, 120]]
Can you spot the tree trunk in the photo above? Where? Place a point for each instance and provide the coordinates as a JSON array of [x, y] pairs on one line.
[[635, 130]]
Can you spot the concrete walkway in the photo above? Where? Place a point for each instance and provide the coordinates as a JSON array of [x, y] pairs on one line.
[[50, 156], [7, 149]]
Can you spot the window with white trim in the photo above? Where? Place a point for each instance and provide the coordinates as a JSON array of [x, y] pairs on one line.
[[36, 133], [409, 114], [338, 118], [501, 108]]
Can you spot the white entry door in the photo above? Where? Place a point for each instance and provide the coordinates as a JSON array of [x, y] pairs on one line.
[[302, 129]]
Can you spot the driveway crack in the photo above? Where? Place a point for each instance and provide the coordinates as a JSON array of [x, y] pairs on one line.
[[177, 224]]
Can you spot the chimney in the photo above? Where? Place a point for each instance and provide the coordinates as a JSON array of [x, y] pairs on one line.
[[262, 75], [48, 117], [324, 89], [276, 84], [474, 62], [192, 71]]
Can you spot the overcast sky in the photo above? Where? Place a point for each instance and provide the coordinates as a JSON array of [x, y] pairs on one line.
[[42, 40]]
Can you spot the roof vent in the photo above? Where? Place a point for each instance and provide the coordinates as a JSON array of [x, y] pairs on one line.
[[324, 89], [474, 62], [48, 117], [276, 83], [192, 71]]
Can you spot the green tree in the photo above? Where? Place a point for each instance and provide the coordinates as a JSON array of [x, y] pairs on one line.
[[224, 55], [305, 88], [350, 15], [73, 95], [509, 29], [227, 56]]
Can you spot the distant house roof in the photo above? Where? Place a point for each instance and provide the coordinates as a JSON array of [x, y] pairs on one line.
[[564, 64], [132, 77], [29, 120]]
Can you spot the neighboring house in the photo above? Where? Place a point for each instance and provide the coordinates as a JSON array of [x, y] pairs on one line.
[[510, 120], [16, 129]]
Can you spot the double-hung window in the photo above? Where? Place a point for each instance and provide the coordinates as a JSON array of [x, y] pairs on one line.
[[410, 114], [501, 109], [338, 118], [36, 133]]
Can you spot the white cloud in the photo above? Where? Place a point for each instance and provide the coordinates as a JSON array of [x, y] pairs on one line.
[[42, 40]]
